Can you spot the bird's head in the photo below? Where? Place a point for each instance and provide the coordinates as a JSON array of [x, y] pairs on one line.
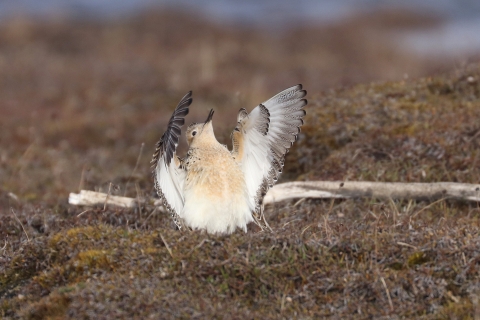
[[200, 131]]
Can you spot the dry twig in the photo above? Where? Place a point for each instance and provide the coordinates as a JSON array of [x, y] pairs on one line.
[[166, 245], [25, 231], [388, 294]]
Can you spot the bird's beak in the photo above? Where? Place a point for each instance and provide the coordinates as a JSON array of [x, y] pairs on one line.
[[210, 116]]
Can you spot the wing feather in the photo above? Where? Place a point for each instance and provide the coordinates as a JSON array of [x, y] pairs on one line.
[[262, 138], [169, 174]]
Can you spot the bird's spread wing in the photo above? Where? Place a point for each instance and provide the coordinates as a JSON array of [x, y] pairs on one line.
[[262, 138], [168, 173]]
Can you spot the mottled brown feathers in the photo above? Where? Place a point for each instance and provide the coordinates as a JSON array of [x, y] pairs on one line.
[[264, 122], [278, 120], [169, 141], [167, 146]]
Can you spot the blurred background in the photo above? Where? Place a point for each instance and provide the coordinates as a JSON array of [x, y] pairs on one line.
[[84, 83]]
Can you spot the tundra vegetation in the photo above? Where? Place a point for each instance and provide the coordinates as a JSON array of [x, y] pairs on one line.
[[80, 98]]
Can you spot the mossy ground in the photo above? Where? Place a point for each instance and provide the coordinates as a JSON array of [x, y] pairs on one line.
[[79, 100]]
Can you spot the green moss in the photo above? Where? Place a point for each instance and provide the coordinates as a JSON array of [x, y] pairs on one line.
[[417, 258], [463, 309], [66, 289], [21, 267], [396, 266], [92, 259], [55, 308], [74, 236]]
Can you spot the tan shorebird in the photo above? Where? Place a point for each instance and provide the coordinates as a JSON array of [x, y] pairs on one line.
[[218, 190]]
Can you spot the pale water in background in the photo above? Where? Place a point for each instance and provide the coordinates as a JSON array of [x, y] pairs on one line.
[[460, 32]]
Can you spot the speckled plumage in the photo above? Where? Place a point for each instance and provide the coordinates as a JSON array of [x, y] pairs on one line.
[[215, 190], [218, 190]]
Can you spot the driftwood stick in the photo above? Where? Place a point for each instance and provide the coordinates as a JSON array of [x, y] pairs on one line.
[[320, 190], [379, 190], [90, 198]]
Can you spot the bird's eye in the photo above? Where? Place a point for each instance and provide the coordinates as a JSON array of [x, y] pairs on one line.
[[194, 133]]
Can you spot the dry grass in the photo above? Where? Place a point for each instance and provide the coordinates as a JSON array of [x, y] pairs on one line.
[[79, 100]]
